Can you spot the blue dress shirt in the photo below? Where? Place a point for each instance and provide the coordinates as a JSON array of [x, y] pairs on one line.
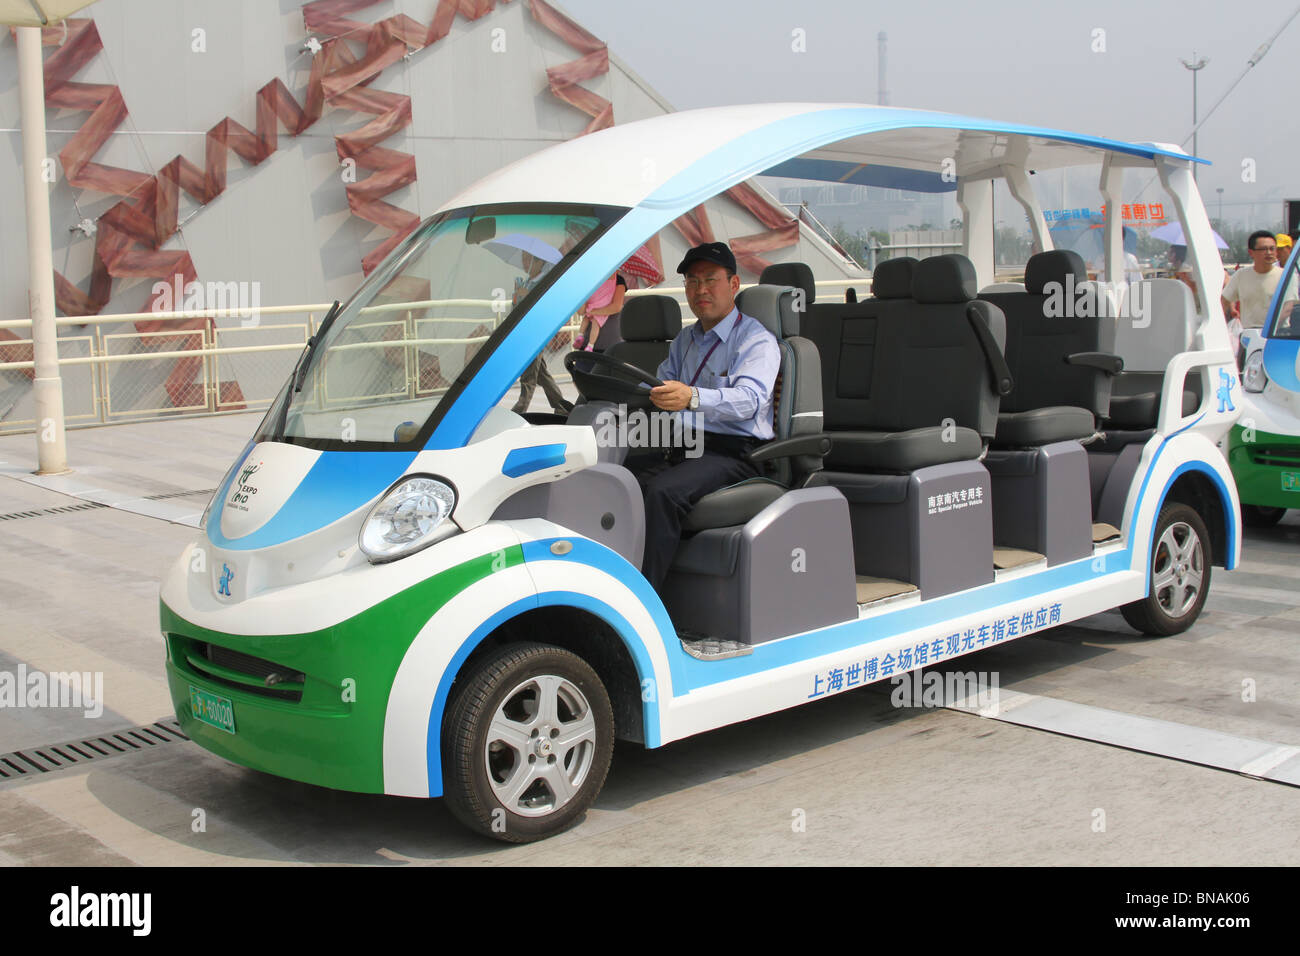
[[736, 381]]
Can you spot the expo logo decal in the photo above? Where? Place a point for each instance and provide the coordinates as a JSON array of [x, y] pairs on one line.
[[243, 489]]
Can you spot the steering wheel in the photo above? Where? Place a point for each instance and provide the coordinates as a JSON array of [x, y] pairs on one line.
[[619, 385]]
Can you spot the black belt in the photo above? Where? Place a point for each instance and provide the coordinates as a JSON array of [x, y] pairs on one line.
[[734, 446]]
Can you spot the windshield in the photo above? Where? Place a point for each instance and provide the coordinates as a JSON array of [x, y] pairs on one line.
[[1284, 322], [386, 362]]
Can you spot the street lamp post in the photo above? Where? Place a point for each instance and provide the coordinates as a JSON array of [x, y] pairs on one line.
[[1195, 64], [1219, 190]]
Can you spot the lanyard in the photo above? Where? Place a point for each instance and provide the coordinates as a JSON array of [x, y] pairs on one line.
[[705, 361]]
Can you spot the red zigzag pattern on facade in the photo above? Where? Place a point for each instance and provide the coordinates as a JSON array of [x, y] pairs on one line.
[[132, 232]]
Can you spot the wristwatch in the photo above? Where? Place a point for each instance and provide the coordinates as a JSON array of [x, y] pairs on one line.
[[695, 399]]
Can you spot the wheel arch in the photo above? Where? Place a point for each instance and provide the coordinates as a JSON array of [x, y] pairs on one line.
[[621, 662], [1203, 489], [590, 636]]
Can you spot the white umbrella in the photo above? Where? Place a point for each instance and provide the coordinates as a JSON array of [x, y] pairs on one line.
[[47, 388], [1172, 233], [512, 246]]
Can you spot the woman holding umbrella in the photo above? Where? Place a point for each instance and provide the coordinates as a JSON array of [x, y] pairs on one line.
[[604, 305], [599, 328]]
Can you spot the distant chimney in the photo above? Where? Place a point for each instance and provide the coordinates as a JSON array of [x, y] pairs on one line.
[[882, 91]]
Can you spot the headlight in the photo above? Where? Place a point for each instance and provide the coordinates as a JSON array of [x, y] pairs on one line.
[[410, 517], [1253, 376]]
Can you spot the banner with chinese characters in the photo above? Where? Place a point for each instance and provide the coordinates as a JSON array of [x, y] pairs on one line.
[[1140, 214]]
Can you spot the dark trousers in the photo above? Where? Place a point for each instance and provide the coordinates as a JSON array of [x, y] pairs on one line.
[[535, 373], [673, 486]]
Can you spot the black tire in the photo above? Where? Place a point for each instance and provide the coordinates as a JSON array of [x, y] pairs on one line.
[[507, 772], [1178, 576], [1257, 516]]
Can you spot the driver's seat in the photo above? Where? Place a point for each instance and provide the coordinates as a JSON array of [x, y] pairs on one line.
[[796, 413], [768, 557]]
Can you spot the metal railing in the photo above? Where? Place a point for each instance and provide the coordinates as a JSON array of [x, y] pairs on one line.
[[100, 386]]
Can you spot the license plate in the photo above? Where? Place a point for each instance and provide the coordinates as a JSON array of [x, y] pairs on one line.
[[1291, 481], [212, 710]]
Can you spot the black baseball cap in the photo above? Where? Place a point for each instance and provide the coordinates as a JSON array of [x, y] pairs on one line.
[[715, 252]]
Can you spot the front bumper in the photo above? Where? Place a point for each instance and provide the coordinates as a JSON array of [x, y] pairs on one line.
[[1266, 468], [321, 720]]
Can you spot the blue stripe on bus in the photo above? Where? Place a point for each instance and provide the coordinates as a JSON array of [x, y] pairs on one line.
[[338, 484]]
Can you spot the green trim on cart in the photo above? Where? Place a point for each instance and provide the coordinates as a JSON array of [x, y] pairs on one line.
[[333, 737]]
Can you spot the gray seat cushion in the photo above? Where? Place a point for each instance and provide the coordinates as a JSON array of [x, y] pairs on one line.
[[733, 505], [902, 452], [1135, 411], [1143, 409], [1042, 426]]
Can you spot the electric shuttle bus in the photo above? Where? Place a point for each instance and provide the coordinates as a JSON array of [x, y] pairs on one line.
[[1264, 446], [403, 587]]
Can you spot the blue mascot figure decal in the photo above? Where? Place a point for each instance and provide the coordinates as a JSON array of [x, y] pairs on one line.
[[224, 584], [1226, 382]]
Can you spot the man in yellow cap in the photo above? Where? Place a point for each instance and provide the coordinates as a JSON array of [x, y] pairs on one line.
[[1284, 246]]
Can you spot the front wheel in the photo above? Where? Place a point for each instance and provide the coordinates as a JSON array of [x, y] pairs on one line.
[[527, 742], [1180, 575], [1257, 516]]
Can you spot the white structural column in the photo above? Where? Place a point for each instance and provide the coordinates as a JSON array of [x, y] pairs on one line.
[[976, 201], [52, 452], [1112, 191], [1023, 193]]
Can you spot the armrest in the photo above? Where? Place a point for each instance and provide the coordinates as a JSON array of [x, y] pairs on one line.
[[1000, 379], [815, 444], [1105, 361]]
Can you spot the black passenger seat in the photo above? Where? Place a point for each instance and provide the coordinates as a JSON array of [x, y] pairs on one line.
[[906, 382], [1062, 363], [649, 325]]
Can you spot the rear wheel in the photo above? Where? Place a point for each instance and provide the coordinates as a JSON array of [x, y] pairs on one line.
[[1257, 516], [1179, 575], [526, 743]]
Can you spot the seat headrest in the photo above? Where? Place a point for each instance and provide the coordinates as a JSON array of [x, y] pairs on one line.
[[893, 278], [797, 274], [650, 318], [949, 278], [773, 305], [1053, 266]]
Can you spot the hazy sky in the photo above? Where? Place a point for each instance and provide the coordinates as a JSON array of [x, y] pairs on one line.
[[1015, 60]]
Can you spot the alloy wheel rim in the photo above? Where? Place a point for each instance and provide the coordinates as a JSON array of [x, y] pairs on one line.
[[540, 746], [1178, 569]]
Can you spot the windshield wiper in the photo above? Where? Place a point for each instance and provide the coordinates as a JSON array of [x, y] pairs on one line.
[[299, 373], [300, 370]]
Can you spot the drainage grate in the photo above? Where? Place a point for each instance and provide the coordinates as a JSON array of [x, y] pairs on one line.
[[180, 494], [91, 505], [62, 509], [45, 759]]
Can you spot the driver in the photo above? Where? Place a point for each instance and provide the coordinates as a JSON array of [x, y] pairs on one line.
[[719, 373]]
